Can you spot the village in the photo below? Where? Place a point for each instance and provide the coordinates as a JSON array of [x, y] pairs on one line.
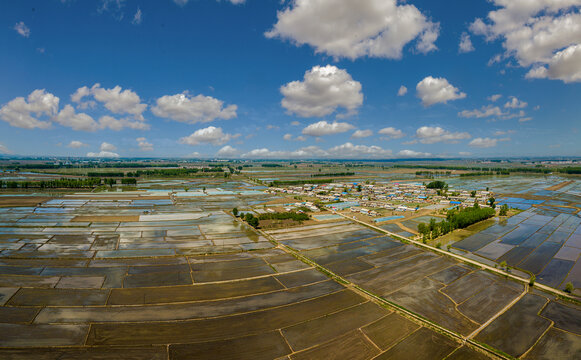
[[373, 199]]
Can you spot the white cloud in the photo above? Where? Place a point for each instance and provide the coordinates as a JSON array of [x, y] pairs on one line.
[[402, 91], [465, 43], [288, 137], [431, 135], [75, 144], [503, 132], [413, 154], [105, 146], [322, 128], [81, 121], [228, 152], [525, 119], [138, 17], [118, 101], [192, 109], [543, 34], [483, 142], [373, 28], [437, 90], [515, 103], [295, 123], [391, 132], [22, 29], [494, 97], [210, 135], [143, 144], [181, 2], [359, 134], [322, 92], [81, 92], [565, 65], [4, 149], [18, 112], [272, 127], [464, 153], [109, 122], [485, 111], [348, 150], [103, 154]]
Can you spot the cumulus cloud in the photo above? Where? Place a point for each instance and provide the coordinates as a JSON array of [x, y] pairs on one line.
[[565, 65], [103, 154], [391, 132], [483, 142], [105, 146], [109, 122], [4, 150], [485, 111], [431, 135], [402, 91], [76, 121], [22, 29], [19, 111], [288, 137], [437, 90], [228, 152], [192, 109], [75, 144], [413, 154], [348, 150], [322, 128], [119, 101], [494, 97], [359, 134], [515, 103], [322, 91], [373, 28], [143, 144], [543, 34], [210, 135], [465, 43]]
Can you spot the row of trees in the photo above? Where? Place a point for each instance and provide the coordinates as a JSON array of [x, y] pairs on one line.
[[455, 219], [53, 184], [333, 174]]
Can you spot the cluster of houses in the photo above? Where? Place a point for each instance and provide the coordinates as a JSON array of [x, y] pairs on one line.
[[359, 197]]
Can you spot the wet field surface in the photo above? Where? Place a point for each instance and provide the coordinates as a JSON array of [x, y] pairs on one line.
[[147, 276], [451, 294], [142, 275], [544, 239]]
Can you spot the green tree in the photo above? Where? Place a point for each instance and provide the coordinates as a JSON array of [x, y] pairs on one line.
[[473, 193], [235, 212], [503, 265], [503, 210], [491, 201], [569, 287], [532, 280], [358, 188]]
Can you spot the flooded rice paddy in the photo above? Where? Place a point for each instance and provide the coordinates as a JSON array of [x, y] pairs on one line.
[[151, 275]]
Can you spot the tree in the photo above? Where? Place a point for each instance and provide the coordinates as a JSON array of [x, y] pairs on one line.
[[503, 265], [569, 287], [437, 185], [503, 210], [358, 188], [491, 202], [235, 212], [473, 193], [532, 280]]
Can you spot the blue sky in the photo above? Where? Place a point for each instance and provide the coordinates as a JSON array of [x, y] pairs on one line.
[[294, 79]]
